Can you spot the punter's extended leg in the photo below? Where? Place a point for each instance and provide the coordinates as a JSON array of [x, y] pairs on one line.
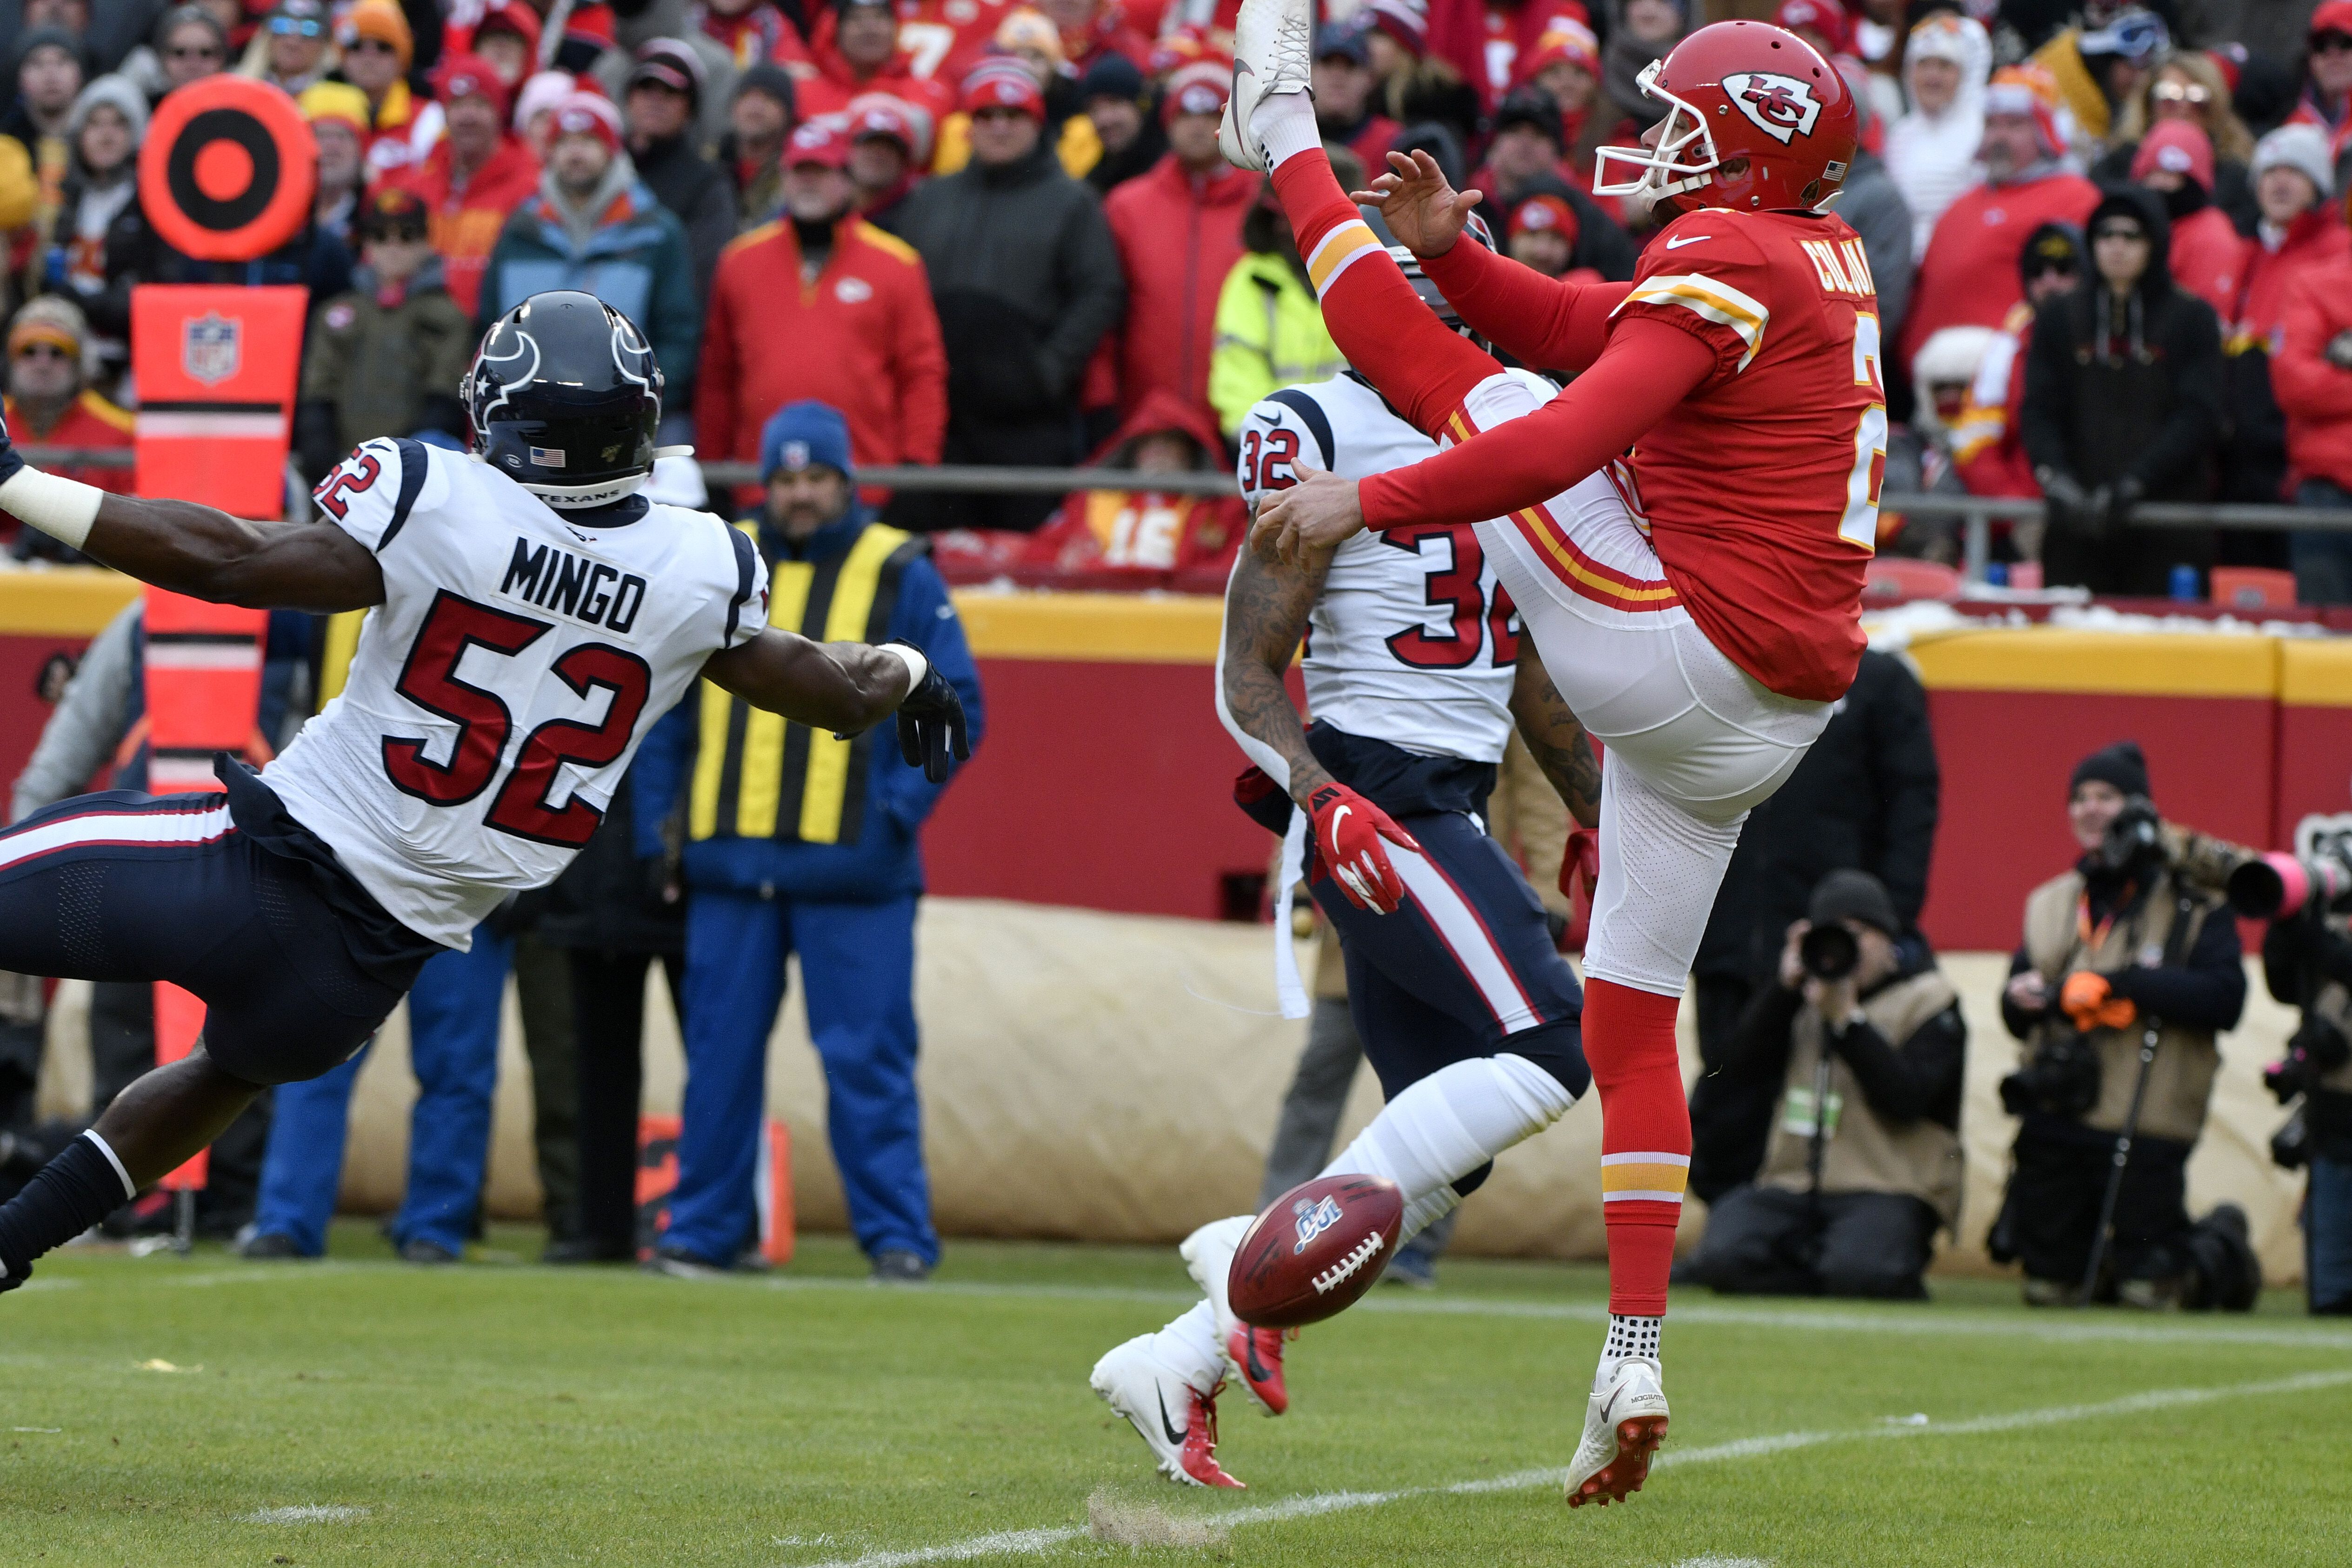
[[1420, 366]]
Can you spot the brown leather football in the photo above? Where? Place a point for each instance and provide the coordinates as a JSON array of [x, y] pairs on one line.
[[1315, 1251]]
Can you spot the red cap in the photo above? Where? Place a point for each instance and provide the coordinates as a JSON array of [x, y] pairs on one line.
[[2331, 17], [1200, 87], [880, 117], [2176, 146], [1545, 212], [823, 141], [515, 17], [1564, 39], [463, 76], [588, 114], [1002, 84], [1824, 16]]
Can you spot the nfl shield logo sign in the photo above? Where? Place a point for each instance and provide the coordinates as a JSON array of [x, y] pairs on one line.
[[211, 348]]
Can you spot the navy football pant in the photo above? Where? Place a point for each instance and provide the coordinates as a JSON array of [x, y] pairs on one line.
[[453, 1048], [857, 965], [124, 886], [1466, 967]]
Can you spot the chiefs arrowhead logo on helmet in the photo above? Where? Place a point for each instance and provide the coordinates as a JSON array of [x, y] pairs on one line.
[[1781, 106]]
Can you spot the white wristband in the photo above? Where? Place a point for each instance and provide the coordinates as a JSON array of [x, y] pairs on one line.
[[63, 508], [917, 665]]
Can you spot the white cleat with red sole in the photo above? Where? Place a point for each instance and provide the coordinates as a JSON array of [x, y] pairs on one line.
[[1624, 1421], [1176, 1421]]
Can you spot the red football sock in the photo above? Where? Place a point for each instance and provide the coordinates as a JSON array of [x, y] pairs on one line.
[[1422, 367], [1646, 1138]]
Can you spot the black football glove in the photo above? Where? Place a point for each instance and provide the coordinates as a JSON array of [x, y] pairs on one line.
[[931, 727]]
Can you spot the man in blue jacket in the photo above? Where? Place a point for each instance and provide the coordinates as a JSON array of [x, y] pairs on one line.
[[797, 841]]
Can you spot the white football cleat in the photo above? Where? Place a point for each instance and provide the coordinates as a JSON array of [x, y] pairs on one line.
[[1256, 1354], [1624, 1421], [1274, 53], [1134, 1382]]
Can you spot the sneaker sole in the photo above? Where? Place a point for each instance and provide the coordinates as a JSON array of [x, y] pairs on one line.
[[1638, 1437]]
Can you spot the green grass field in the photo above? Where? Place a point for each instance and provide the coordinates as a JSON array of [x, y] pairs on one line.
[[360, 1411]]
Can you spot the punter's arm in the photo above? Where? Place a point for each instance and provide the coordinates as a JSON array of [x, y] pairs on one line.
[[1648, 368], [1267, 606], [195, 550], [1555, 738], [848, 687]]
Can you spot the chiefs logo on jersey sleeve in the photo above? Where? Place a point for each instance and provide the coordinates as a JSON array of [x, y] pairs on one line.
[[1783, 106]]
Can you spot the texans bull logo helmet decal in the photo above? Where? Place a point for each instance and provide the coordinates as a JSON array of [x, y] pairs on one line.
[[1783, 106]]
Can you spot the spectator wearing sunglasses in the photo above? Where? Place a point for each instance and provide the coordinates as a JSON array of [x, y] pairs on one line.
[[188, 45], [291, 48], [2298, 232], [2327, 75], [51, 403], [377, 50], [2190, 87]]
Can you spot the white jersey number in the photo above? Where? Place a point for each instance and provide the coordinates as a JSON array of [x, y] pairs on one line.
[[428, 677]]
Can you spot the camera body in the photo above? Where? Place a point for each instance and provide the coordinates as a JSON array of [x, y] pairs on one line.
[[2316, 877], [2062, 1079]]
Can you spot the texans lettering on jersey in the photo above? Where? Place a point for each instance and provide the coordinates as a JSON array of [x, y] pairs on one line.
[[499, 692], [1411, 641], [1761, 488]]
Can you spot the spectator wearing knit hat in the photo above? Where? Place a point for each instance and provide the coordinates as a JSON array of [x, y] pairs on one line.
[[1026, 278], [377, 50], [819, 303], [1526, 148], [1969, 275], [383, 359], [49, 74], [2326, 100], [1485, 44], [1026, 38], [534, 108], [475, 177], [664, 96], [886, 157], [2299, 232], [593, 226], [2191, 87], [50, 401], [1344, 88], [2176, 161], [104, 129], [1568, 231], [1114, 98], [1178, 230], [508, 36], [187, 45], [757, 120], [338, 114]]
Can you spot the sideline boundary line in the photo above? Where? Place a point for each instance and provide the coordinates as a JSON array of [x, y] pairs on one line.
[[1030, 1543]]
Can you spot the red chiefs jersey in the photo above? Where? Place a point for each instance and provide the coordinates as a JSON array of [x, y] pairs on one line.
[[1761, 487], [939, 40]]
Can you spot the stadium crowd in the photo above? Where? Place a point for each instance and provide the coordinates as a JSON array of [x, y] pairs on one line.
[[2110, 251], [2108, 241]]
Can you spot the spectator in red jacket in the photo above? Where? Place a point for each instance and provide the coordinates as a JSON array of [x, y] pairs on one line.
[[475, 177], [508, 36], [864, 54], [377, 51], [1344, 85], [2299, 232], [1969, 275], [50, 404], [1093, 28], [2176, 161], [1486, 39], [2312, 378], [1178, 232], [821, 304], [1143, 537]]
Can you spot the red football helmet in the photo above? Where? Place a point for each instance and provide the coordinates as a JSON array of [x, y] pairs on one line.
[[1743, 93]]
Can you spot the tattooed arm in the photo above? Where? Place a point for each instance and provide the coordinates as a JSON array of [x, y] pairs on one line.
[[1267, 606], [1558, 741]]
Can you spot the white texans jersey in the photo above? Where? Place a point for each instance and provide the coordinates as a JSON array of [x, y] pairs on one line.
[[497, 693], [1411, 641]]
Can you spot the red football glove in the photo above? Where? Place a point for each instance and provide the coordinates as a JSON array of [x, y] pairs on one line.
[[1580, 878], [1348, 833]]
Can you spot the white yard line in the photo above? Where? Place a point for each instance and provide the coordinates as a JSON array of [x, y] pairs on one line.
[[1029, 1542]]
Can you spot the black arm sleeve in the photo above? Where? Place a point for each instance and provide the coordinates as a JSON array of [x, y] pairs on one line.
[[2017, 1020], [2206, 990], [2191, 430], [1911, 784], [1920, 1079], [2049, 385]]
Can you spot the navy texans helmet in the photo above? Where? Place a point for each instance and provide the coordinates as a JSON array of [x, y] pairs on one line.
[[1410, 263], [564, 398]]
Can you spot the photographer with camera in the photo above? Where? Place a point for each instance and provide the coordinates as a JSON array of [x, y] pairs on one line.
[[2307, 962], [2128, 972], [1863, 1163]]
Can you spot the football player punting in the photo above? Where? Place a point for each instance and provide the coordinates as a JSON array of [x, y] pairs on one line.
[[530, 617], [1467, 1012], [1702, 642]]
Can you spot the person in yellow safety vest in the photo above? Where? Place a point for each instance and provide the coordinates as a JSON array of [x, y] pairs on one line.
[[798, 841]]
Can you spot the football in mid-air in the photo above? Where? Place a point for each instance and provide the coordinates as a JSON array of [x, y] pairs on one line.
[[1314, 1251]]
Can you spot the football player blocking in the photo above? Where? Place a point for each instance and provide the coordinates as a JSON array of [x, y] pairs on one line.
[[1700, 632], [530, 614]]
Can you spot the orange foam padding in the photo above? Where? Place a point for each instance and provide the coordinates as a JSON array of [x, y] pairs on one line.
[[204, 683], [217, 366], [772, 1182], [179, 1024]]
